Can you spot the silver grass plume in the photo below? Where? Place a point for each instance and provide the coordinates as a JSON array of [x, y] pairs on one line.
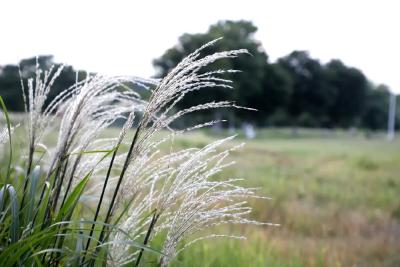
[[86, 109], [173, 194], [178, 188], [94, 105], [183, 79], [34, 101]]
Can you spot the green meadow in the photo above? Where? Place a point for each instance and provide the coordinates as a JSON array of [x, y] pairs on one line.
[[336, 198]]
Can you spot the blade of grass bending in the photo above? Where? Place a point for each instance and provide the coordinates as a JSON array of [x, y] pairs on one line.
[[44, 251], [14, 210], [40, 213], [70, 180], [3, 107], [91, 152], [34, 179], [58, 186], [67, 190], [73, 198]]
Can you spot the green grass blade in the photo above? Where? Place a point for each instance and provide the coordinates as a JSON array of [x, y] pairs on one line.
[[73, 198], [3, 107], [13, 253], [49, 250], [14, 214], [42, 209], [91, 152], [2, 199], [34, 179], [14, 228]]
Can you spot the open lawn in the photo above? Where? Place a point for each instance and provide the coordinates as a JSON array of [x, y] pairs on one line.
[[337, 200]]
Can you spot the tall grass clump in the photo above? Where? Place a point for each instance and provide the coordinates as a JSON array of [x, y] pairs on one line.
[[89, 200]]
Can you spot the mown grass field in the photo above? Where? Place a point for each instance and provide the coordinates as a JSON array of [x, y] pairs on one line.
[[337, 199]]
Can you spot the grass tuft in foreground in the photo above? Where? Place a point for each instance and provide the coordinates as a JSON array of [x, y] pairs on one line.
[[89, 200]]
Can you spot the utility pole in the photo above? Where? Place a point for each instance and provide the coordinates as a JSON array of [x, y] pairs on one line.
[[391, 117]]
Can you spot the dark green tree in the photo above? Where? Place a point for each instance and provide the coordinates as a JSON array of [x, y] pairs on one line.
[[350, 87], [311, 97], [10, 80], [277, 90], [259, 85], [375, 114], [10, 88]]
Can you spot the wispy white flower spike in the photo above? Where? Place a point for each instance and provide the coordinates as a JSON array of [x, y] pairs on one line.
[[178, 190], [170, 194]]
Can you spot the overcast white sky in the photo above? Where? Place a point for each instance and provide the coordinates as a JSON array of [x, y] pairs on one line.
[[123, 37]]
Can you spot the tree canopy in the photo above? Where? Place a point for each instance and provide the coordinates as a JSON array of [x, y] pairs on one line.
[[259, 85], [296, 90], [10, 80]]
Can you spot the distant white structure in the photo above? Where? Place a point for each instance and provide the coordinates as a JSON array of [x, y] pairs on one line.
[[217, 127], [249, 130], [231, 129], [392, 116]]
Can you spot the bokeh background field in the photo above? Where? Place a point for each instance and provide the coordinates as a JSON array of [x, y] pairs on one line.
[[336, 200], [336, 196]]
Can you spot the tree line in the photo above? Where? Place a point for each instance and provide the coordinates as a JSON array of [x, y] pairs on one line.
[[296, 90]]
